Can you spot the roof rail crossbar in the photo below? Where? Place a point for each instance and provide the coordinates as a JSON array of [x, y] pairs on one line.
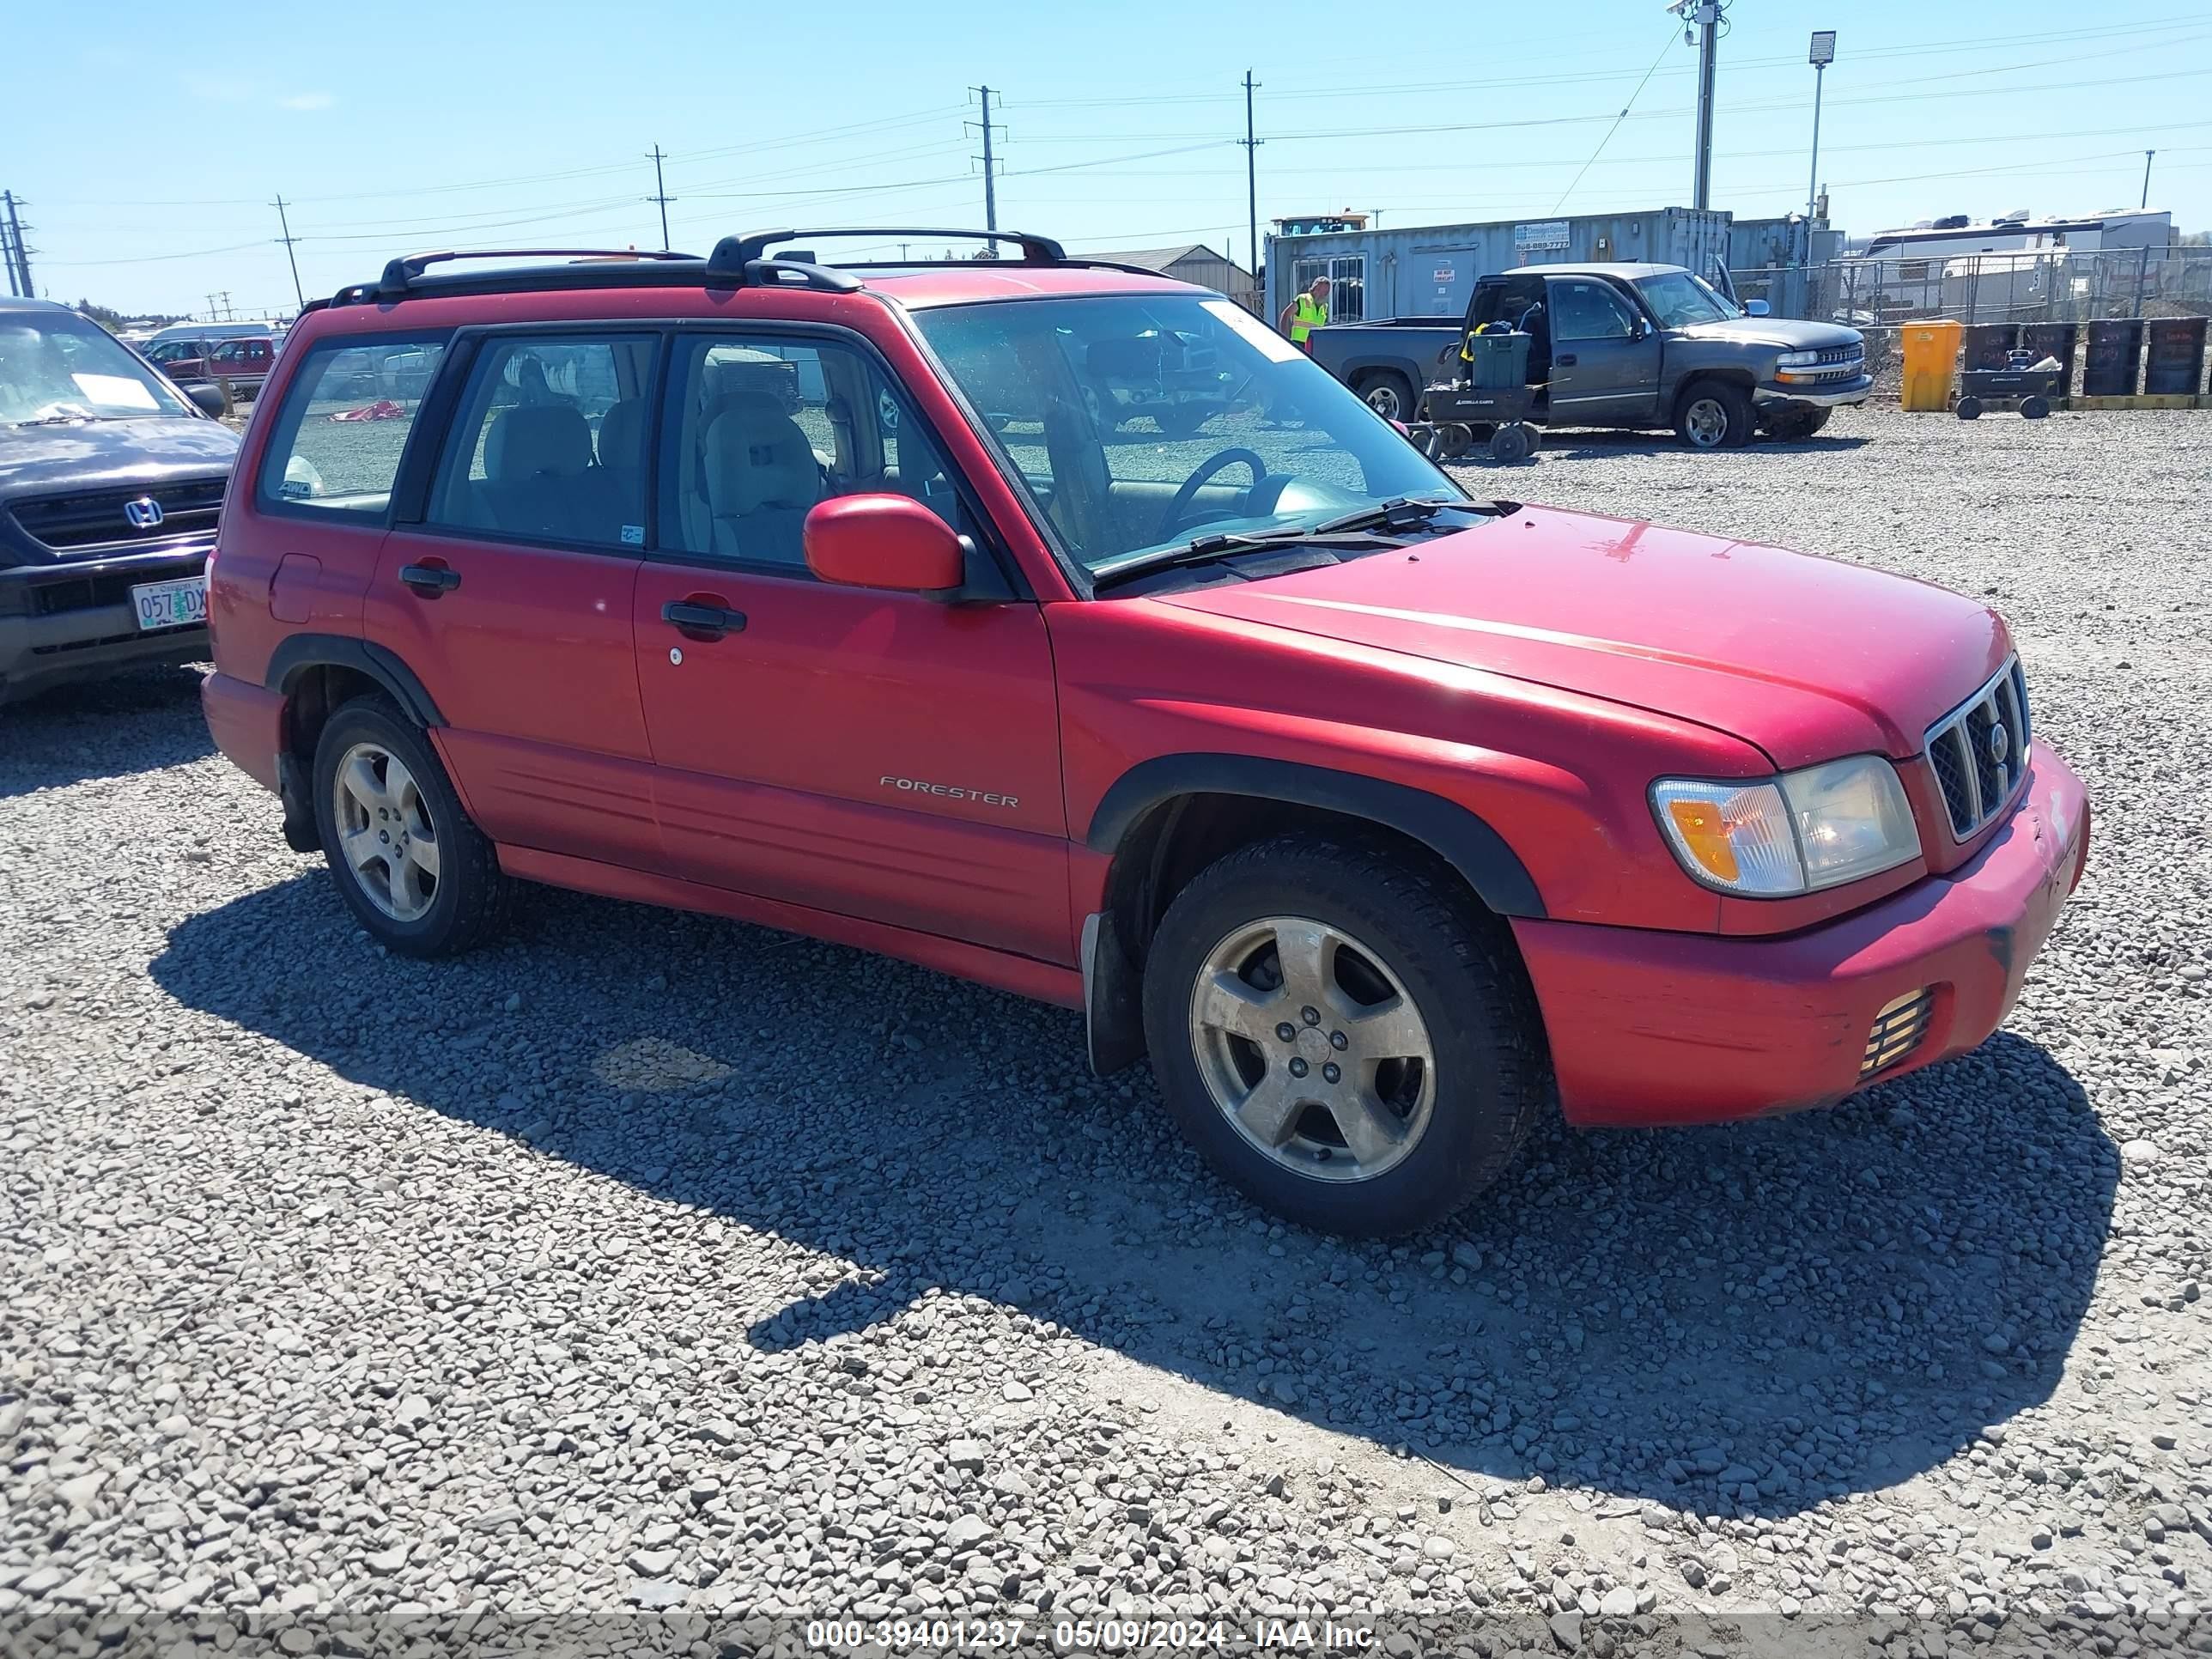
[[400, 274], [732, 252]]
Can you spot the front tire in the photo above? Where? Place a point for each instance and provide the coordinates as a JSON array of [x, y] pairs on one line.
[[1714, 415], [419, 878], [1414, 1066]]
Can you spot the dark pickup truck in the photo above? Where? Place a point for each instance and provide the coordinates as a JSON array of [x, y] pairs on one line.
[[1622, 345]]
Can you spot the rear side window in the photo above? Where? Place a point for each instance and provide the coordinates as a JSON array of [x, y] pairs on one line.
[[549, 444], [347, 415]]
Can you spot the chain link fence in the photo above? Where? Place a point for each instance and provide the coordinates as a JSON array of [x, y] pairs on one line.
[[2033, 286]]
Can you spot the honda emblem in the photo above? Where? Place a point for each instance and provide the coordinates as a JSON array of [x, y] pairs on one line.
[[144, 513]]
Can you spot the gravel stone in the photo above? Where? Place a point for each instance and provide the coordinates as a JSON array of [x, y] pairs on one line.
[[654, 1261]]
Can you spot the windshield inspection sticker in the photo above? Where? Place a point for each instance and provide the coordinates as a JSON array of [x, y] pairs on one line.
[[1269, 345]]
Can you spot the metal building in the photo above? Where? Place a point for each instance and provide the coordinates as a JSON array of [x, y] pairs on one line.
[[1430, 270], [1194, 262]]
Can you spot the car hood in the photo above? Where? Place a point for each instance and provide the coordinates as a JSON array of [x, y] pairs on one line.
[[1787, 333], [1807, 658], [106, 454]]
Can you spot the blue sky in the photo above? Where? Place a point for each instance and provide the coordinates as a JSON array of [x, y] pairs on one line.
[[149, 144]]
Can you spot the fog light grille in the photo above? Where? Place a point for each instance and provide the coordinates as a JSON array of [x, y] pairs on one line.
[[1898, 1029]]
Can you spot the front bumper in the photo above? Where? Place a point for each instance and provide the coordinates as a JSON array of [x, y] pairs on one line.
[[73, 622], [1773, 396], [1651, 1028]]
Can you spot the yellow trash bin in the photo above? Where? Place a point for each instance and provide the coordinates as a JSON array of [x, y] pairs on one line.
[[1931, 361]]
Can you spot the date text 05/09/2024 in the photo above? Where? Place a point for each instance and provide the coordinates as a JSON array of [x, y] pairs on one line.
[[1132, 1635]]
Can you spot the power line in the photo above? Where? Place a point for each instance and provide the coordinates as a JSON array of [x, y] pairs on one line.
[[1665, 46]]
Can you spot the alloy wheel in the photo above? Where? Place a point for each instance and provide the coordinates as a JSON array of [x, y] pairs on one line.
[[1707, 423], [385, 831], [1313, 1048]]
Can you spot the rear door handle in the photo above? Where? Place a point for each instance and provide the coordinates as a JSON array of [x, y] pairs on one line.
[[702, 621], [430, 580], [1567, 361]]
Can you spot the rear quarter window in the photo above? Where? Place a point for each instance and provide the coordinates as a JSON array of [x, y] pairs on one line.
[[348, 410]]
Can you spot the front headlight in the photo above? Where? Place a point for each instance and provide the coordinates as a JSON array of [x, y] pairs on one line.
[[1797, 359], [1803, 831]]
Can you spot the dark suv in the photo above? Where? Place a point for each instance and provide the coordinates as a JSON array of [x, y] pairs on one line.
[[110, 482], [1381, 817]]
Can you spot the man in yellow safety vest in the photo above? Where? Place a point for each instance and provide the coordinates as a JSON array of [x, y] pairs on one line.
[[1306, 312]]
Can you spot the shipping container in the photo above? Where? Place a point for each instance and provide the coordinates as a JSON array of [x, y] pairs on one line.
[[1430, 270]]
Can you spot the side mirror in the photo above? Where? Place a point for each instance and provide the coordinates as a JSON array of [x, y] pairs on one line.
[[1755, 307], [890, 542], [208, 398]]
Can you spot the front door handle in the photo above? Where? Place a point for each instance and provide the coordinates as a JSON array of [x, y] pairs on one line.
[[1566, 361], [430, 580], [702, 619]]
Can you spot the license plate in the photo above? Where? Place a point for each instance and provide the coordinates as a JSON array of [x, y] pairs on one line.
[[171, 605]]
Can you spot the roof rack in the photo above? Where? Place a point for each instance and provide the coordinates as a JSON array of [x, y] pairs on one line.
[[736, 262], [732, 253]]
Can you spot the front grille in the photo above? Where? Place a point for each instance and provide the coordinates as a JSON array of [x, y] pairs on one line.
[[1843, 353], [58, 598], [1980, 751], [95, 521], [1898, 1029]]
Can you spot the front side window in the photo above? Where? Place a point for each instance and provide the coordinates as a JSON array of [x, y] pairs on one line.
[[549, 443], [1134, 421], [58, 367], [347, 412], [1678, 299], [759, 429], [1590, 311]]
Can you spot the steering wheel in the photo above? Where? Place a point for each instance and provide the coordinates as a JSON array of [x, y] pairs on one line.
[[1179, 509]]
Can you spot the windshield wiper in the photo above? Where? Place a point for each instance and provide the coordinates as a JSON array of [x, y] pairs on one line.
[[68, 420], [1409, 512], [1204, 550]]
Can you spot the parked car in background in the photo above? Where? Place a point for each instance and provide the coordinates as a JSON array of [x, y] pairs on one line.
[[1386, 819], [111, 479], [242, 364], [1623, 345]]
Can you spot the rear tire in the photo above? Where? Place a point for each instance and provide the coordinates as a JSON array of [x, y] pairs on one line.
[[2034, 409], [1388, 393], [1416, 1064], [1714, 415], [1969, 409], [416, 872]]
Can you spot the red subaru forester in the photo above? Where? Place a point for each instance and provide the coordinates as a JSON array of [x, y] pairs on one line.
[[1057, 625]]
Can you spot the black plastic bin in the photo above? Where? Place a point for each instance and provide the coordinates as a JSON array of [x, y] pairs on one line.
[[2112, 358], [2053, 340], [2175, 360], [1987, 344]]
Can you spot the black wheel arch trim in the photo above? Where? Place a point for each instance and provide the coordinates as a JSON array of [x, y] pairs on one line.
[[305, 651], [1456, 834]]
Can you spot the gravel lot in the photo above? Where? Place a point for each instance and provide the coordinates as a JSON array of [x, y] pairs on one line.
[[654, 1262]]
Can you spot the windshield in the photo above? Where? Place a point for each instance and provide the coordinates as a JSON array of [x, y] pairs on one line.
[[1678, 299], [56, 366], [1139, 421]]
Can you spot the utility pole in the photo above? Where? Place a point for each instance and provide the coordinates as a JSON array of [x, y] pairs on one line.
[[219, 305], [661, 194], [21, 255], [1251, 171], [1822, 54], [7, 256], [990, 182], [1705, 17], [287, 239], [2146, 195]]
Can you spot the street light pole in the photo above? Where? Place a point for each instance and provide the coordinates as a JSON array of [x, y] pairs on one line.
[[1822, 54]]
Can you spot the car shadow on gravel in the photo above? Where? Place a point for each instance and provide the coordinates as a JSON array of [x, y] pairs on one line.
[[1611, 446], [1745, 1320], [137, 722]]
